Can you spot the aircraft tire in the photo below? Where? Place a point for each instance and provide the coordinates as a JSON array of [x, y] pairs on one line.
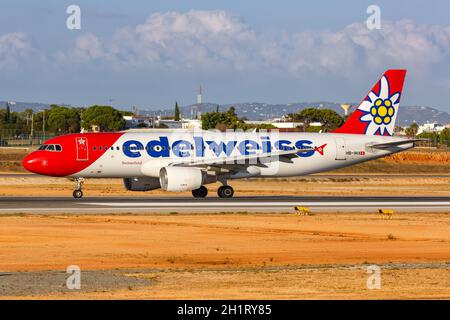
[[201, 192], [225, 192], [77, 194]]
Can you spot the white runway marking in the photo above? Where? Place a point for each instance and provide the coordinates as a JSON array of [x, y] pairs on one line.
[[273, 204]]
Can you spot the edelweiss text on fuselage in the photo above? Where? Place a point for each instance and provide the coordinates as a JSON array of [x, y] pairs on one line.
[[185, 148]]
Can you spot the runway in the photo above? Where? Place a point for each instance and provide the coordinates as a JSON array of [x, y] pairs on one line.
[[318, 176], [142, 205]]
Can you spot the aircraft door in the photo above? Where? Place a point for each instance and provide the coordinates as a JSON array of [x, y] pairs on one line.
[[82, 148], [340, 149]]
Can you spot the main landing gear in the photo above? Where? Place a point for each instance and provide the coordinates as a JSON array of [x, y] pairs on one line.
[[77, 193], [223, 192], [200, 192]]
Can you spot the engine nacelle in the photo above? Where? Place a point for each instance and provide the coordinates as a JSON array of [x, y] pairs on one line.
[[180, 178], [141, 184]]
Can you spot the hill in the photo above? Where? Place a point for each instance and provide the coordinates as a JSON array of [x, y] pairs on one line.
[[263, 111]]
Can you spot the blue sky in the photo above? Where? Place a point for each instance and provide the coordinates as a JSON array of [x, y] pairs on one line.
[[152, 53]]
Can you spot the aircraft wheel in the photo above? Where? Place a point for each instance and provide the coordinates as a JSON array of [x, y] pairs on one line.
[[77, 194], [225, 192], [200, 192]]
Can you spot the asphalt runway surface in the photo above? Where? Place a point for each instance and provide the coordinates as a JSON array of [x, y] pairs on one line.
[[142, 205], [311, 176]]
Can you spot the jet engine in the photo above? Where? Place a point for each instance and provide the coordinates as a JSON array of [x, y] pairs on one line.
[[180, 178], [141, 184]]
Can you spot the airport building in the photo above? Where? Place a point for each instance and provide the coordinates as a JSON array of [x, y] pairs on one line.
[[431, 127]]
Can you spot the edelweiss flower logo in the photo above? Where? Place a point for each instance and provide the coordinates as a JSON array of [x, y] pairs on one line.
[[379, 110]]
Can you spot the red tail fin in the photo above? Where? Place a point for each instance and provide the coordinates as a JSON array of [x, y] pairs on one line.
[[376, 114]]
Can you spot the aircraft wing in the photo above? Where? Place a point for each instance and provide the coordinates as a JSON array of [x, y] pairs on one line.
[[386, 145], [239, 159]]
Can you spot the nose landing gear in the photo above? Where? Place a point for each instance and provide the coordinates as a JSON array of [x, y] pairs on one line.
[[77, 193]]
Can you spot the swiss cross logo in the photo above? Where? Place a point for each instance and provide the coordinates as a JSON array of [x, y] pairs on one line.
[[320, 149], [82, 149]]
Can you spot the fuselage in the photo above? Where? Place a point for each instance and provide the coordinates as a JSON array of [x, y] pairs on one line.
[[143, 154]]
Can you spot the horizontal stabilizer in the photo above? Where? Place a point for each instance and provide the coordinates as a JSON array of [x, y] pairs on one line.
[[386, 145]]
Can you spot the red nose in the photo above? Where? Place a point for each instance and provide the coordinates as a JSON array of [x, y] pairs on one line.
[[36, 163]]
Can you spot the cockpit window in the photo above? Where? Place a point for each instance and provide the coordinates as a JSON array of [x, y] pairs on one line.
[[51, 147]]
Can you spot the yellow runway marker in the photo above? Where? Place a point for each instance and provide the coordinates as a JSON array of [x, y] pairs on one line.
[[386, 213], [302, 210]]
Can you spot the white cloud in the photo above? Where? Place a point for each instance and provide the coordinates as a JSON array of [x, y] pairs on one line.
[[217, 40], [15, 48], [207, 38], [89, 47]]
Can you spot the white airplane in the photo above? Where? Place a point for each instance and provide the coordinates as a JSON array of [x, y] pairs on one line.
[[188, 160]]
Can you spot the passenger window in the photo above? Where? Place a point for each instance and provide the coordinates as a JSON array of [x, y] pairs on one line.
[[117, 148], [100, 148], [94, 148]]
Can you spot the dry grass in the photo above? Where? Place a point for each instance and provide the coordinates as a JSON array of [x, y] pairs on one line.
[[278, 256], [421, 157]]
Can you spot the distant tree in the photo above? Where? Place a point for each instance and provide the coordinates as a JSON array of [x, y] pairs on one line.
[[63, 119], [412, 130], [39, 119], [177, 112], [329, 119], [26, 114], [444, 137], [105, 117], [314, 129], [222, 120], [8, 113], [217, 108], [232, 112], [126, 112], [398, 129], [258, 127], [433, 137]]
